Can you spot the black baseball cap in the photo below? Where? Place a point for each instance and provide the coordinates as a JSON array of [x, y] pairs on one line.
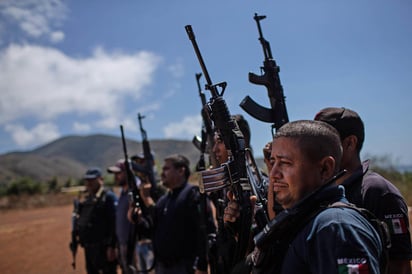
[[346, 121], [93, 173]]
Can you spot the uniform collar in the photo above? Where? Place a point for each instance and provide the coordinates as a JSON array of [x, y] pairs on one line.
[[358, 173], [177, 190]]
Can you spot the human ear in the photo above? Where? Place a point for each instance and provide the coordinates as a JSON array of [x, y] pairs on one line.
[[350, 143], [182, 170], [327, 168]]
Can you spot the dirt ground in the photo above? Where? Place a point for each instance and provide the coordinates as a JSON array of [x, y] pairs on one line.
[[37, 241]]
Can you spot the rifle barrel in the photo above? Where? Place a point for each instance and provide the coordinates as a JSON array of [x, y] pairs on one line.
[[209, 82]]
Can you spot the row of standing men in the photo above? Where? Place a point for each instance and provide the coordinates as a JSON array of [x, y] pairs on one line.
[[302, 157], [165, 239]]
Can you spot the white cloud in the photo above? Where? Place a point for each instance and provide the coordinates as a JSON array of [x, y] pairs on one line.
[[150, 107], [187, 128], [44, 83], [114, 122], [36, 18], [177, 69], [56, 36], [41, 133], [81, 127]]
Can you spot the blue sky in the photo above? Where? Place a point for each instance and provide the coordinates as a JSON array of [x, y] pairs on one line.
[[85, 67]]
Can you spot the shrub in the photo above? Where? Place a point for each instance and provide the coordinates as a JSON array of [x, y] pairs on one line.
[[24, 186]]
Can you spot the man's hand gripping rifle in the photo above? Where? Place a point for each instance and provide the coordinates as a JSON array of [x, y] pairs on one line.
[[277, 114], [233, 173]]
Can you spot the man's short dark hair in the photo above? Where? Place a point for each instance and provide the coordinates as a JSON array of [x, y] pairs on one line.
[[316, 139], [179, 161], [346, 121]]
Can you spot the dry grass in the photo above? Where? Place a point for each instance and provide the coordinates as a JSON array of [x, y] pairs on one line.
[[36, 201]]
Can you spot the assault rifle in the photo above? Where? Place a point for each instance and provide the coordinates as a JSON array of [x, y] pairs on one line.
[[206, 142], [74, 242], [233, 173], [130, 178], [277, 114], [133, 195], [148, 156]]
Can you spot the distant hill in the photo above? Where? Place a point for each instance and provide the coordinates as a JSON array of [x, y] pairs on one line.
[[70, 156]]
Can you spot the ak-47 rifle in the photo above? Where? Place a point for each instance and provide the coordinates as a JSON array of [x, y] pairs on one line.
[[74, 241], [206, 142], [148, 156], [233, 173], [277, 114]]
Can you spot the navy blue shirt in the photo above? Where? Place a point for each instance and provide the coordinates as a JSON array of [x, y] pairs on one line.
[[97, 218], [370, 190], [335, 241], [321, 235], [177, 227]]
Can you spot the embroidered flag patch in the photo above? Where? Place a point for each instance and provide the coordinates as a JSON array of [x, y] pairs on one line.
[[398, 226], [352, 266]]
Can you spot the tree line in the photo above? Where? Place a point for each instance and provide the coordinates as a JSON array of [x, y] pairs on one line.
[[27, 186]]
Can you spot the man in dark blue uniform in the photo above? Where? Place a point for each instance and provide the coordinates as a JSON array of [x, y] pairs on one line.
[[96, 225], [177, 234], [317, 232], [370, 190]]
